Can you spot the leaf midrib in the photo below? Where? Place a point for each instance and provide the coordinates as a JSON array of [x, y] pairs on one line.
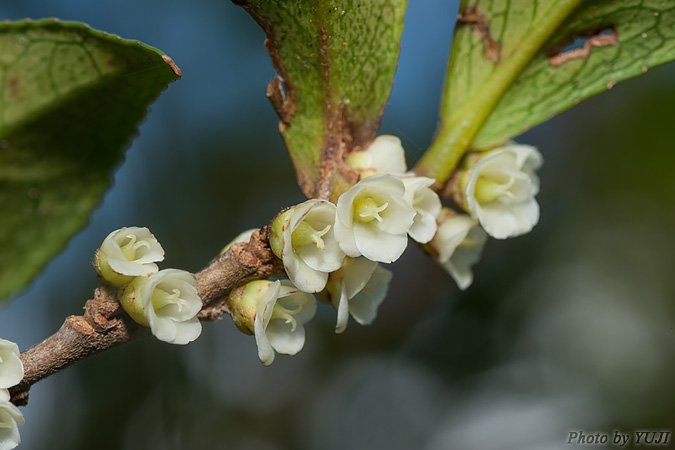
[[457, 131]]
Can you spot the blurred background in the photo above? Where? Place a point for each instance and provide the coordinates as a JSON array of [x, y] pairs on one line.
[[568, 328]]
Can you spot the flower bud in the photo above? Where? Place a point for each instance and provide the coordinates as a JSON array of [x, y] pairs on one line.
[[385, 154], [10, 421], [11, 368], [279, 227], [167, 302], [242, 304], [128, 253]]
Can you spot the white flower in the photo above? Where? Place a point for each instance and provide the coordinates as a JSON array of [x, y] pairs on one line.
[[500, 190], [457, 245], [11, 368], [128, 253], [385, 154], [426, 204], [373, 219], [167, 302], [358, 288], [281, 312], [10, 421], [304, 238]]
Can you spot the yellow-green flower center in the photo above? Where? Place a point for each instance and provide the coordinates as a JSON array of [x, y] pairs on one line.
[[367, 209], [488, 190], [161, 298], [129, 249], [286, 314], [306, 234]]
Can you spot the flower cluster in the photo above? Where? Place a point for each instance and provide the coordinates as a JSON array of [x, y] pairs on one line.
[[334, 250], [164, 300], [11, 373]]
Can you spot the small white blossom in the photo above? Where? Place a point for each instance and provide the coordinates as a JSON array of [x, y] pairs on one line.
[[167, 302], [500, 190], [304, 238], [457, 245], [10, 421], [281, 312], [127, 253], [385, 154], [358, 288], [426, 204], [373, 219], [11, 368]]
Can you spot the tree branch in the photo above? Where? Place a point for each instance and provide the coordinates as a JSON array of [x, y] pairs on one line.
[[105, 324]]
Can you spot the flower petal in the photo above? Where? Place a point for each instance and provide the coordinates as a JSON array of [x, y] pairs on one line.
[[346, 240], [386, 155], [328, 259], [462, 274], [363, 307], [132, 268], [527, 156], [342, 311], [187, 331], [465, 256], [299, 299], [10, 421], [424, 227], [264, 308], [452, 230], [377, 245], [501, 221], [398, 217], [11, 367], [284, 339], [357, 272], [303, 276]]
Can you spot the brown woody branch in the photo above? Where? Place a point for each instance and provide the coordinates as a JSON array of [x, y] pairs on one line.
[[104, 323]]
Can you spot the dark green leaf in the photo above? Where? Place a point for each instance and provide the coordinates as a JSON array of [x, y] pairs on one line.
[[70, 102]]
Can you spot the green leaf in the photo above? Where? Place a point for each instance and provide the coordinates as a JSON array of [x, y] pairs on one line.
[[510, 68], [621, 40], [336, 59], [71, 99]]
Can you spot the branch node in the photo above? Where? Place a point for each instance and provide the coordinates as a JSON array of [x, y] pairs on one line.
[[80, 324]]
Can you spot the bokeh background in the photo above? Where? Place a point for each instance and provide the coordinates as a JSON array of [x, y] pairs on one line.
[[568, 328]]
